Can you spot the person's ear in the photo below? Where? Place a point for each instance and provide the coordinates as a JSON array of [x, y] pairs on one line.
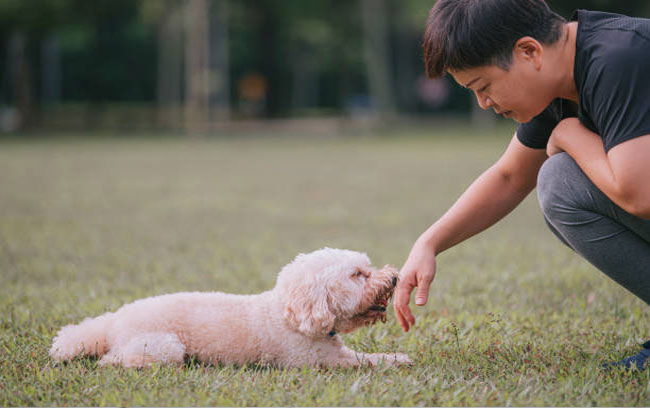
[[530, 50]]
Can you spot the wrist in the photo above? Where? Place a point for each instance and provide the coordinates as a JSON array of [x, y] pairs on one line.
[[428, 240]]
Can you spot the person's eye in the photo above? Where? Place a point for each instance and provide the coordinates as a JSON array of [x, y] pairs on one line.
[[484, 88]]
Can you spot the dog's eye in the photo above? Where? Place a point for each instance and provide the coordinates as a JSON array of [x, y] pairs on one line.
[[359, 274]]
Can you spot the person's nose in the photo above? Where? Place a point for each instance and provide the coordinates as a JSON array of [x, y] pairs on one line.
[[484, 101]]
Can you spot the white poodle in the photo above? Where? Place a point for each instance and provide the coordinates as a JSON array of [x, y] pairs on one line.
[[316, 296]]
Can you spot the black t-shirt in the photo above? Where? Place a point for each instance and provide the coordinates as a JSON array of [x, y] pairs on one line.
[[612, 74]]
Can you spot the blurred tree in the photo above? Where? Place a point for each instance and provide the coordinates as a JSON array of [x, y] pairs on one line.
[[326, 58], [167, 16], [192, 38], [219, 59], [23, 25], [310, 37], [51, 70], [376, 34], [197, 28], [292, 56], [108, 57]]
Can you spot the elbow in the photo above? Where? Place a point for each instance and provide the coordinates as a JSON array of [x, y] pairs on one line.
[[515, 182], [639, 210], [637, 205]]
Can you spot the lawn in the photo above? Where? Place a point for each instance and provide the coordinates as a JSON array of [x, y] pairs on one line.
[[89, 223]]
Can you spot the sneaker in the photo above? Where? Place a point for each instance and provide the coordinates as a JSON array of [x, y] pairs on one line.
[[639, 360]]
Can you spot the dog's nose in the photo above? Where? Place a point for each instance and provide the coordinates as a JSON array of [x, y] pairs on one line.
[[394, 281]]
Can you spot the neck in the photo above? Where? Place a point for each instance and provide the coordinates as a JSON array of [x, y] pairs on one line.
[[566, 61]]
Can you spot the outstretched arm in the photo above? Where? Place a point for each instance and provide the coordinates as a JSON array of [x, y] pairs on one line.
[[622, 174], [493, 195]]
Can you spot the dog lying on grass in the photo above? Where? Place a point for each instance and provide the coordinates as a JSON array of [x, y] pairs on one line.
[[316, 296]]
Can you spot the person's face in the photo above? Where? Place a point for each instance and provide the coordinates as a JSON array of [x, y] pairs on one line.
[[519, 93]]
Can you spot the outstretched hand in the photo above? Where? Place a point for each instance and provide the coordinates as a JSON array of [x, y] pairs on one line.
[[418, 271]]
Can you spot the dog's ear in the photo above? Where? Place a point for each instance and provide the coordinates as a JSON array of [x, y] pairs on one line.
[[303, 287], [307, 310]]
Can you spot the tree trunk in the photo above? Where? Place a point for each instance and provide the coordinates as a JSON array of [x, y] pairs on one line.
[[51, 71], [374, 20], [21, 76], [305, 91], [406, 72], [219, 61], [196, 66], [170, 67]]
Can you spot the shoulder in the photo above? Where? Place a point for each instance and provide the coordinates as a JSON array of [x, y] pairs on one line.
[[609, 39], [611, 50], [611, 73], [598, 21]]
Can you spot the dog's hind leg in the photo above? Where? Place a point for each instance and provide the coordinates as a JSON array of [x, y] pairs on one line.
[[145, 349], [85, 338]]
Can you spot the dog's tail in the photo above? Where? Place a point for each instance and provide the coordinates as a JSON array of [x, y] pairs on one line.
[[85, 338]]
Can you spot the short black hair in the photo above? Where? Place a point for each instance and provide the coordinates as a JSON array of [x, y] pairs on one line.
[[462, 34]]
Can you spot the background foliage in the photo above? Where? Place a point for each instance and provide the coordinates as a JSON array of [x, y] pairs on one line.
[[315, 58]]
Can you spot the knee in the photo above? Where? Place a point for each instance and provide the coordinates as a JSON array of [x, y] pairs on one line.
[[555, 184]]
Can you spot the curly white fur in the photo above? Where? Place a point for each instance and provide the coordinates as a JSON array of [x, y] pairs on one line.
[[317, 295]]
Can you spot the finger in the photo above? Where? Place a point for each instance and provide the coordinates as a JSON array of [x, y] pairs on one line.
[[422, 292], [398, 314], [405, 319], [402, 298], [408, 315], [402, 322]]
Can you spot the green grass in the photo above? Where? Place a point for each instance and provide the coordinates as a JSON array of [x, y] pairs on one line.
[[514, 318]]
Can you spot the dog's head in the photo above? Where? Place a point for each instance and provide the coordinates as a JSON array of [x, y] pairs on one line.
[[334, 290]]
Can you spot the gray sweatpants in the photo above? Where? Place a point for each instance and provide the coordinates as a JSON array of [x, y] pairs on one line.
[[584, 219]]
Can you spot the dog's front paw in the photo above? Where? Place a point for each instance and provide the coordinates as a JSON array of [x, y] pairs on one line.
[[397, 359], [402, 359]]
